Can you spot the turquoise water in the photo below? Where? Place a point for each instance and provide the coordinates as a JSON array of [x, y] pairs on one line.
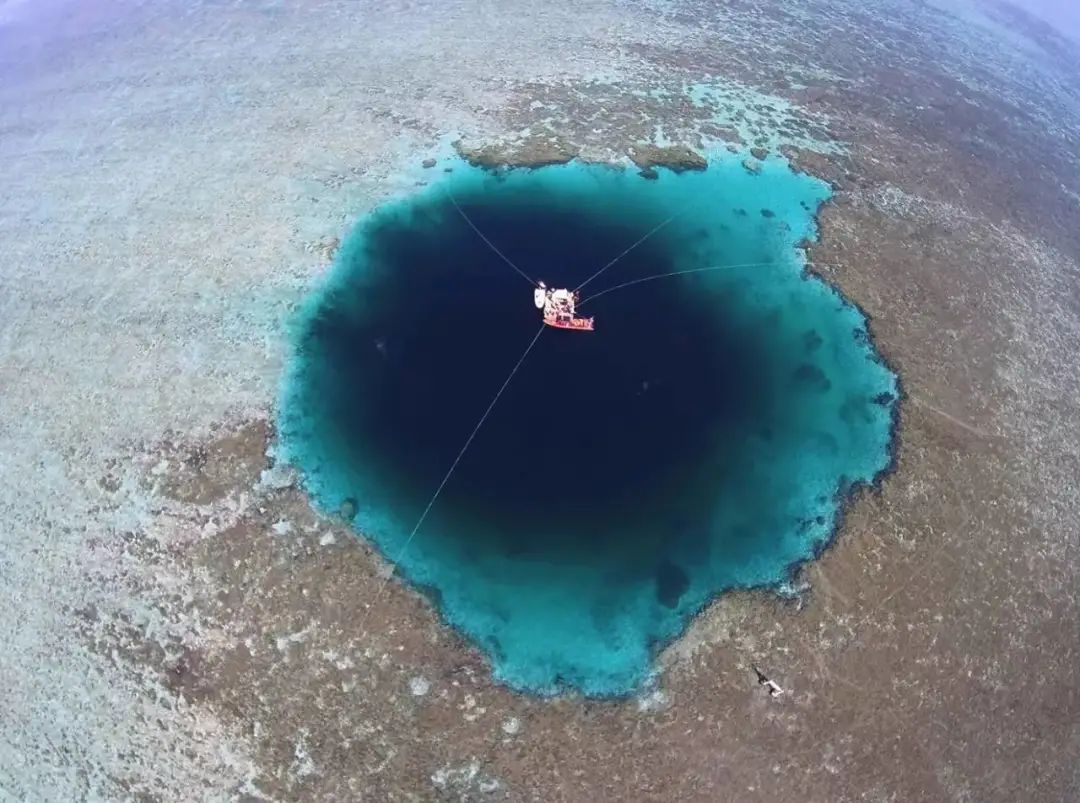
[[704, 438]]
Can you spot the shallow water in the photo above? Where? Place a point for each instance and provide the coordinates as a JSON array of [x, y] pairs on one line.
[[701, 439]]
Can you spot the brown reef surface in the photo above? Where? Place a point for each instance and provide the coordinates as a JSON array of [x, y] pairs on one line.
[[184, 626]]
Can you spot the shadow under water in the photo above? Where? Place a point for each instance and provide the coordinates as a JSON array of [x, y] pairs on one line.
[[699, 440]]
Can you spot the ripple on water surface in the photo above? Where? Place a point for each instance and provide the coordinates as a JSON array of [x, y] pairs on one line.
[[701, 439]]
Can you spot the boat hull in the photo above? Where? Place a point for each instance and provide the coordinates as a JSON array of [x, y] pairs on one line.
[[573, 324]]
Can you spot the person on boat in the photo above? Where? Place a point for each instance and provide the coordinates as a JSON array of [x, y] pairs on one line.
[[568, 298], [563, 301], [550, 301]]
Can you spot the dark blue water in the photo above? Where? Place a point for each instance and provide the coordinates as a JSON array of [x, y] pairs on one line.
[[699, 440]]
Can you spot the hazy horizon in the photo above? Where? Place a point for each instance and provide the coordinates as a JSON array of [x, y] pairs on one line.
[[1062, 14]]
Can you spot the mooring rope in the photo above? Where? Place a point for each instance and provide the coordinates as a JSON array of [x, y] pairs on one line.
[[401, 552], [675, 273], [491, 245], [649, 234]]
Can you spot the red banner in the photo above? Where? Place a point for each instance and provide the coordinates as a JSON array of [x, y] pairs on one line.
[[578, 324]]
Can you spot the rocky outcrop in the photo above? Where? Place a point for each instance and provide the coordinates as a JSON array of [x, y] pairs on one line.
[[678, 158], [534, 151]]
